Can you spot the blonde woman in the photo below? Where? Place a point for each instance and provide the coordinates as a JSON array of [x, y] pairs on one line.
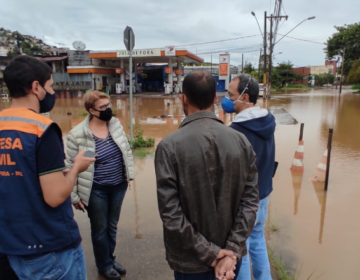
[[101, 188]]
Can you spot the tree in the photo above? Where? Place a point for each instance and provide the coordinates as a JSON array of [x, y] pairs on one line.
[[323, 79], [10, 54], [354, 75], [283, 74], [36, 48], [262, 62], [347, 36], [15, 52], [248, 68]]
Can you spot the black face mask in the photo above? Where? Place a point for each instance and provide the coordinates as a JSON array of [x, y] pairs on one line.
[[47, 104], [105, 115]]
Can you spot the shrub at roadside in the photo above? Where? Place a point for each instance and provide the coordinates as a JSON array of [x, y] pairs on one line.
[[139, 141]]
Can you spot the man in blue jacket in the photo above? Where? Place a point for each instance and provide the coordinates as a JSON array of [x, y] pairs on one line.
[[258, 125]]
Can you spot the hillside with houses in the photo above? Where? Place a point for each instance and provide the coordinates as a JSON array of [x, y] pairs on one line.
[[13, 43]]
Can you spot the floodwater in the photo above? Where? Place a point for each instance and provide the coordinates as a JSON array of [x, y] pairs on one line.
[[317, 231]]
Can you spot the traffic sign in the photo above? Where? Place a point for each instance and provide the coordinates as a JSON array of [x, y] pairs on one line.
[[129, 38]]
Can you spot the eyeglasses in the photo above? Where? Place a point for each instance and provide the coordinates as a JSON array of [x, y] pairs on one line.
[[104, 107]]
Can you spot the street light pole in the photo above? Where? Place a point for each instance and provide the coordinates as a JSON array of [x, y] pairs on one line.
[[310, 18], [264, 79], [257, 23], [273, 44]]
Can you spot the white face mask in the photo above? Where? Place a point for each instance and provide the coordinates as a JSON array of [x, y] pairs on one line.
[[238, 100]]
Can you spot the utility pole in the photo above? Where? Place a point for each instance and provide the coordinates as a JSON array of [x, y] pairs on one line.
[[265, 35], [342, 70], [270, 55], [336, 76], [272, 47], [259, 65]]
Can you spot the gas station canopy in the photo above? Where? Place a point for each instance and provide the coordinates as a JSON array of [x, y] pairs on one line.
[[150, 55]]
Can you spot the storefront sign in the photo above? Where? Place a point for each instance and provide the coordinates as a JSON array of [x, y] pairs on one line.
[[223, 65], [168, 70], [223, 69], [170, 51], [140, 53], [71, 85], [179, 72], [119, 71], [79, 58]]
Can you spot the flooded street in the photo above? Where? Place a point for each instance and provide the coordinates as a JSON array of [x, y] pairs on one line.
[[317, 231]]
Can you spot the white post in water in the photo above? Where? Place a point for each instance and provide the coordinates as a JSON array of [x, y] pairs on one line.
[[129, 41], [131, 93]]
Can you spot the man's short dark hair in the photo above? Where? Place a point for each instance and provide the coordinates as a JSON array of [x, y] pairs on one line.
[[252, 86], [199, 88], [22, 71]]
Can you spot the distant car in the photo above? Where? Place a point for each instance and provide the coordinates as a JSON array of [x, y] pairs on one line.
[[327, 85], [261, 90]]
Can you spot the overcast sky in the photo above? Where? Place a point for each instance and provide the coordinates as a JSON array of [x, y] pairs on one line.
[[159, 23]]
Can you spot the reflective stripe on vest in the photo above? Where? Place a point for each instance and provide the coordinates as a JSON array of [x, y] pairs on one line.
[[25, 120]]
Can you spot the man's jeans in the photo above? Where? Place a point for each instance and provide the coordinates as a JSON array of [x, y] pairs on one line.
[[104, 212], [6, 272], [64, 265], [202, 276], [256, 245]]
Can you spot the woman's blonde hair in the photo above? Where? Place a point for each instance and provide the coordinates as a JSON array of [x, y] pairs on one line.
[[91, 97]]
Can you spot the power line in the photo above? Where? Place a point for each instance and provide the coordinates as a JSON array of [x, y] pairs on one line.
[[282, 4], [232, 51], [232, 47], [218, 41], [304, 40]]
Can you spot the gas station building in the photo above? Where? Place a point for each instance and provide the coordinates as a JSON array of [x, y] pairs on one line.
[[152, 69]]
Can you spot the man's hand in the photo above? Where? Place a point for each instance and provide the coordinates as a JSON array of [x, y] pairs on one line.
[[82, 163], [225, 267], [223, 253], [79, 206]]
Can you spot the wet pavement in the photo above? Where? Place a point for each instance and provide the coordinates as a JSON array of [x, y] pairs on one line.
[[318, 231]]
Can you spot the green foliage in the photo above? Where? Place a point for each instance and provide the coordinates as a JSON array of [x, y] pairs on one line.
[[141, 153], [280, 269], [347, 36], [83, 113], [10, 54], [323, 79], [26, 45], [354, 74], [283, 74], [20, 37], [248, 68], [139, 141], [356, 87], [274, 227], [297, 86], [36, 49]]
